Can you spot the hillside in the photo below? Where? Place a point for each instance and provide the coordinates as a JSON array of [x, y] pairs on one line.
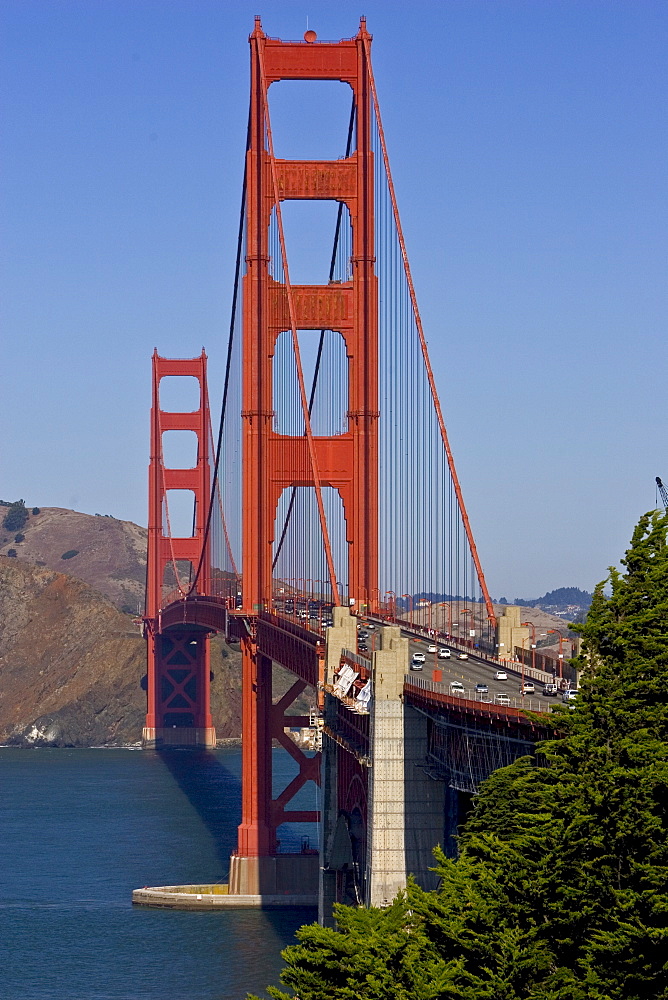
[[71, 665], [107, 554]]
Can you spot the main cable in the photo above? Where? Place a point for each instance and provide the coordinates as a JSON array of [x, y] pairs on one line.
[[228, 367]]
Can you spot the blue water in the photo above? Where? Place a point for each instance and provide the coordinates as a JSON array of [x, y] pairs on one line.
[[79, 829]]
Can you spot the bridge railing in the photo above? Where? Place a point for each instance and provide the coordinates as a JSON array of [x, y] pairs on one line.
[[470, 699]]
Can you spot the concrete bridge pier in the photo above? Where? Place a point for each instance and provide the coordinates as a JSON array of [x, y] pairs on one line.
[[335, 846], [386, 839], [406, 808]]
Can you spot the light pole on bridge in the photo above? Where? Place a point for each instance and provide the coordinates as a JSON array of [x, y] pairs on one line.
[[561, 654], [533, 643], [468, 611]]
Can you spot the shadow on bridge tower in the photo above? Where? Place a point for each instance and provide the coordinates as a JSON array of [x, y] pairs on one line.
[[178, 675]]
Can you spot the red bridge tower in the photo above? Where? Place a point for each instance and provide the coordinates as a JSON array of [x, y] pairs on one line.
[[273, 462], [178, 678]]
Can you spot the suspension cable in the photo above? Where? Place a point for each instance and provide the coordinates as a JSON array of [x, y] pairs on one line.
[[228, 367]]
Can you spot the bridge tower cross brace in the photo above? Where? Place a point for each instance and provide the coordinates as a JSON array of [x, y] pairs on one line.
[[178, 674], [273, 462]]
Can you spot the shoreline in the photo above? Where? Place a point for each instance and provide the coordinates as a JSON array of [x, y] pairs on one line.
[[221, 744]]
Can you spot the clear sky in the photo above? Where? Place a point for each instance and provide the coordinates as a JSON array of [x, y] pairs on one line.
[[528, 141]]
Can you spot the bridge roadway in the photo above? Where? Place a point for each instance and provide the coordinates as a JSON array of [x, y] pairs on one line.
[[213, 613], [474, 670]]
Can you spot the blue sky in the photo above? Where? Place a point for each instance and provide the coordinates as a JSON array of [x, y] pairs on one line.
[[528, 145]]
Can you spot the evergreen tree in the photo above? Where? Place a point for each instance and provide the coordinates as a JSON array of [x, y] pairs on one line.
[[16, 516], [560, 890], [608, 891]]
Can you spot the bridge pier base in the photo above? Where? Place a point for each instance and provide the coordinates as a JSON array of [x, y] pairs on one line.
[[275, 875], [176, 736]]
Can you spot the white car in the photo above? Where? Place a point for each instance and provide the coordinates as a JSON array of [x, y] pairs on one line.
[[501, 699], [569, 696], [417, 661], [527, 688], [500, 675], [432, 649], [456, 687], [462, 656], [444, 654]]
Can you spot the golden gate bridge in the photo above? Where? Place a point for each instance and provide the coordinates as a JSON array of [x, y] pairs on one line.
[[326, 498]]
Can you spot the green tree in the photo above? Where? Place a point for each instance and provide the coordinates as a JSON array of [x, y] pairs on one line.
[[560, 890], [608, 890], [16, 516]]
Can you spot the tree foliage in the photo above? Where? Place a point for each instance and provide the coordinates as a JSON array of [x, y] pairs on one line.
[[560, 890], [563, 597], [16, 516]]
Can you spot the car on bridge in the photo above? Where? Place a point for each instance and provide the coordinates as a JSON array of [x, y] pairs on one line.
[[462, 656], [481, 689], [528, 687], [569, 696], [502, 699], [444, 654], [550, 690], [432, 649], [456, 687], [418, 661], [500, 675]]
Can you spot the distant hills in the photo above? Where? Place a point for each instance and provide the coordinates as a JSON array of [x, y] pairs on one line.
[[568, 601], [565, 599]]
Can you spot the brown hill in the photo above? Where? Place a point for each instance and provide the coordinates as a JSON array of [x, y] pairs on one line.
[[104, 552], [71, 665]]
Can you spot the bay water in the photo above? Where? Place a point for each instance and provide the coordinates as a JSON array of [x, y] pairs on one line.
[[80, 829]]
